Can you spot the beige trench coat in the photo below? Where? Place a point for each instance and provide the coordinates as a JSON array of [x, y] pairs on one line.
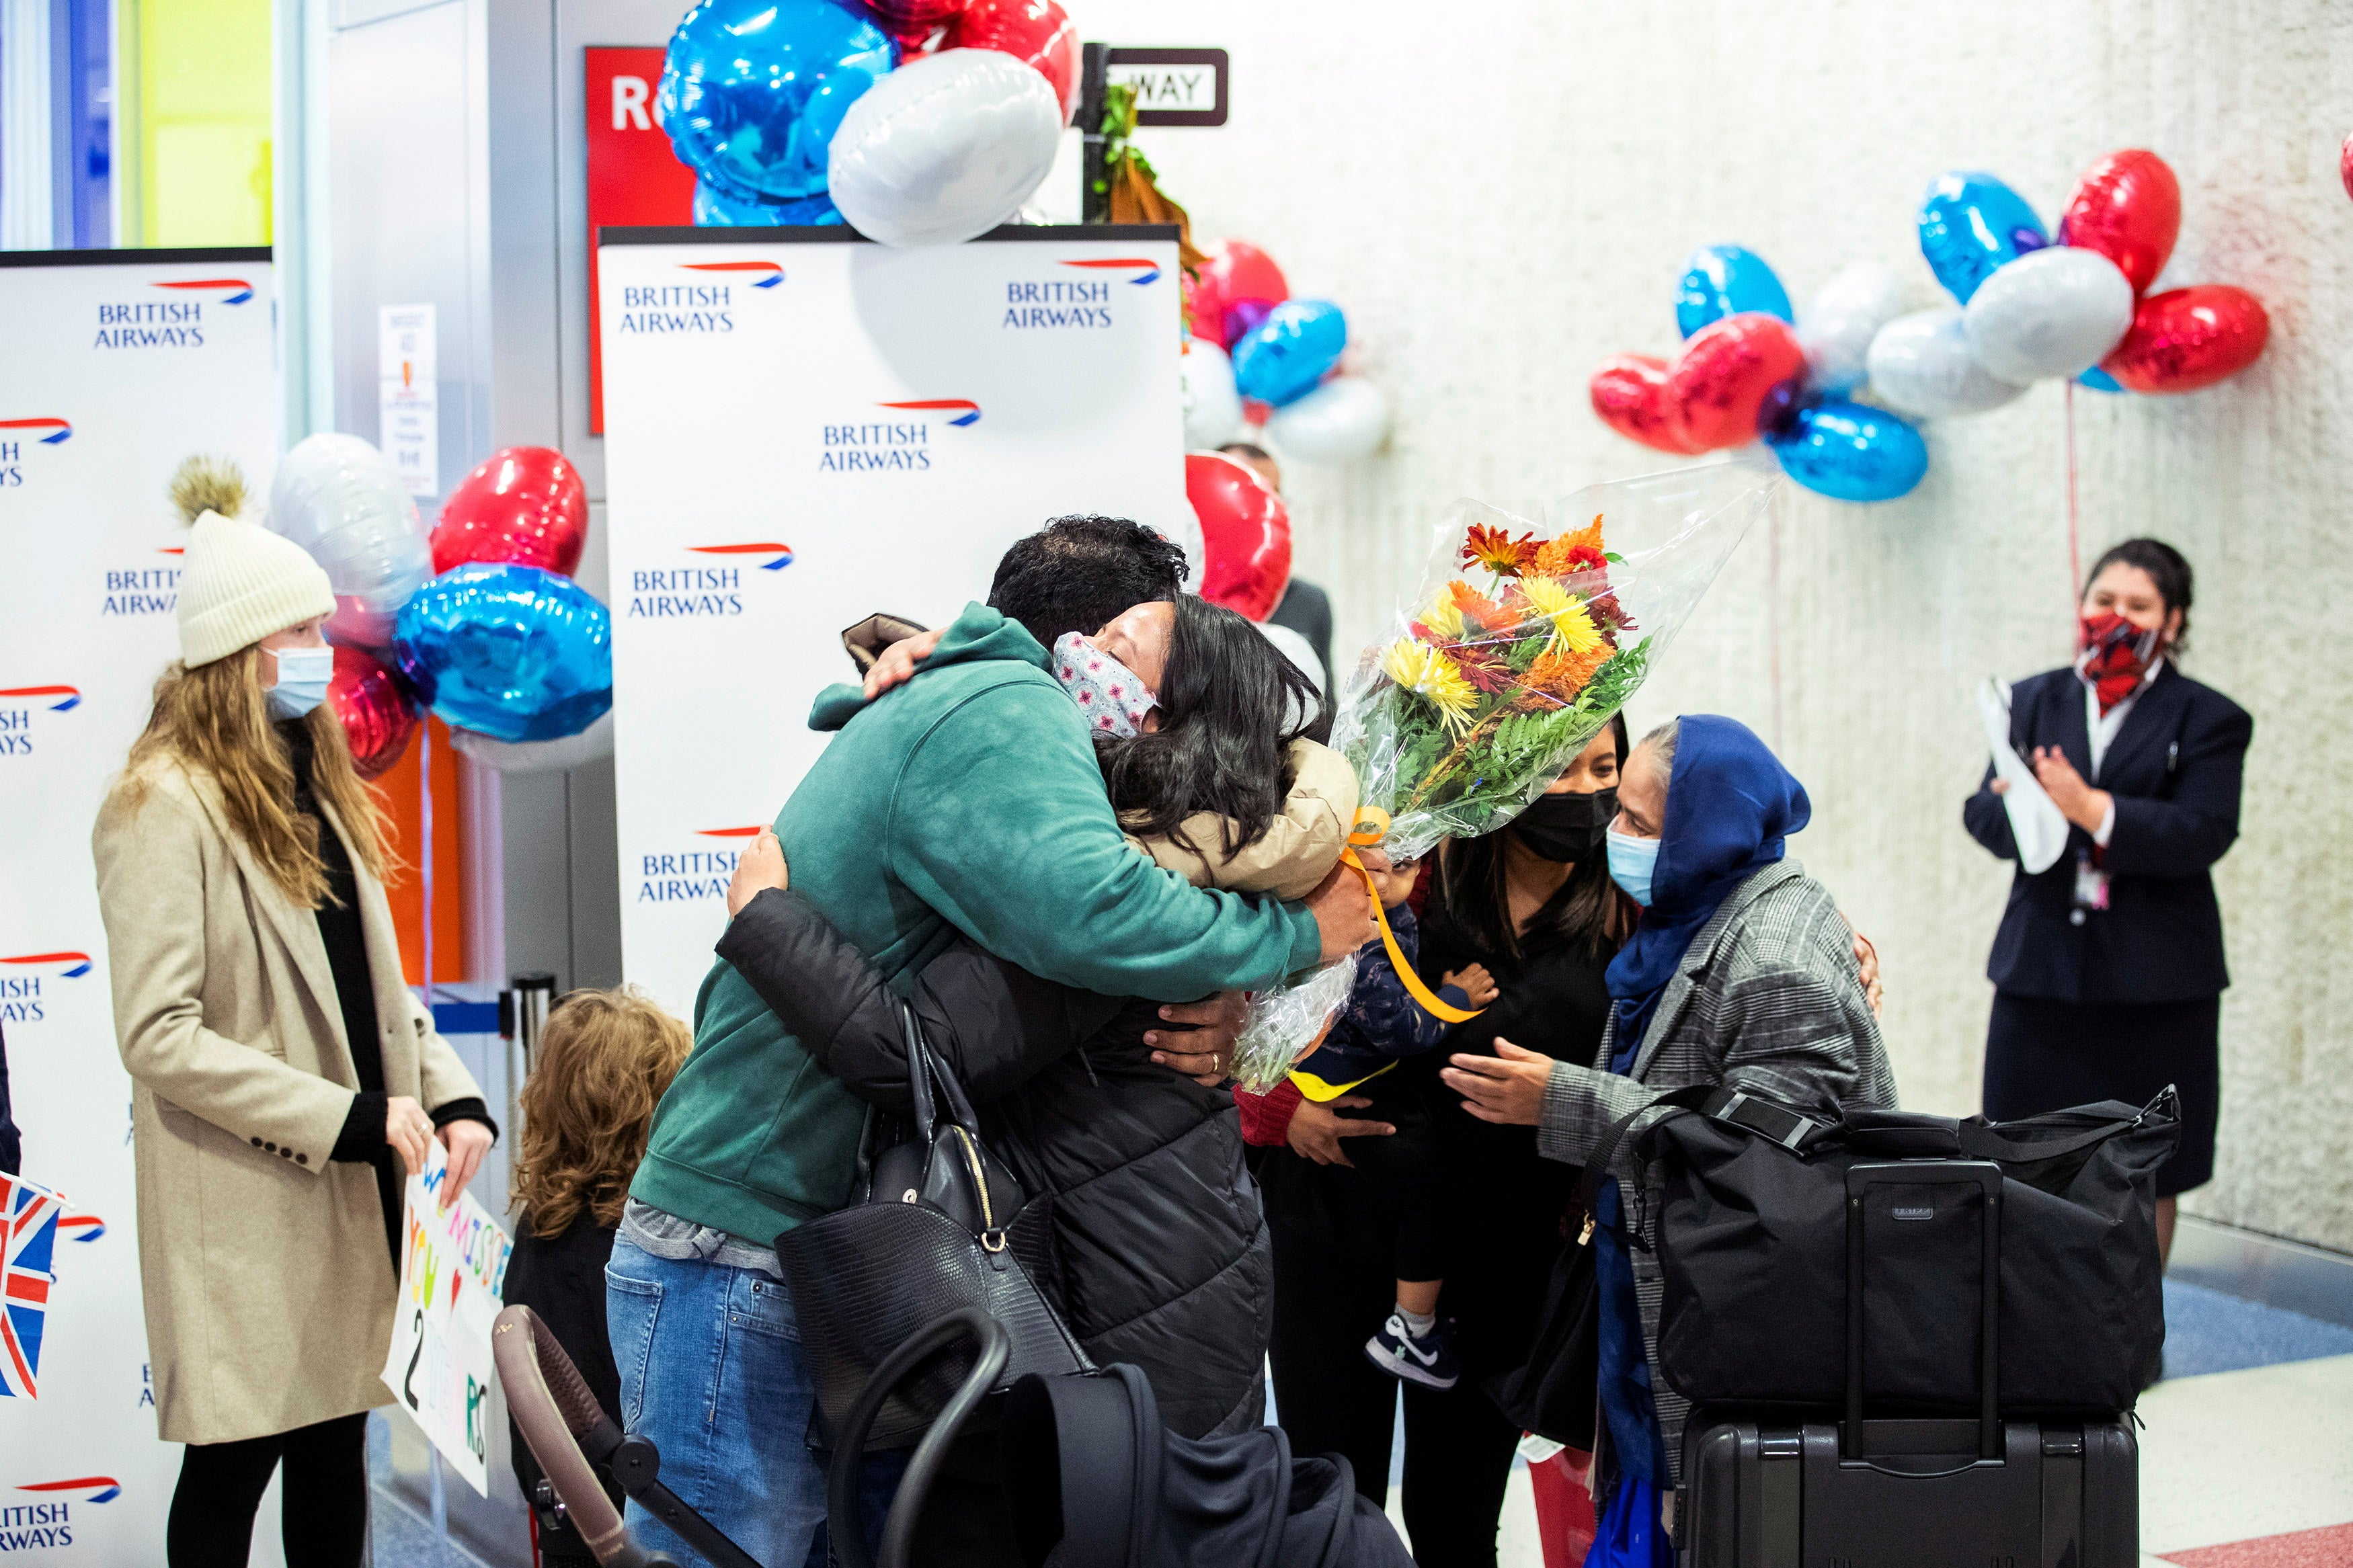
[[269, 1290]]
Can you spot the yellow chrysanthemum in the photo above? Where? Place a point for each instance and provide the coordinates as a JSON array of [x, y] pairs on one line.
[[1431, 676], [1572, 629], [1444, 617]]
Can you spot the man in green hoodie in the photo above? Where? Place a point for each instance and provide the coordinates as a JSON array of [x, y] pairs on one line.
[[968, 801]]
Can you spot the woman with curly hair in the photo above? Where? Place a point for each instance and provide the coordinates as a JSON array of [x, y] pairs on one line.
[[604, 1062]]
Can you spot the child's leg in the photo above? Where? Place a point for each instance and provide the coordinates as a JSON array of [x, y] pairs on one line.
[[1419, 1296]]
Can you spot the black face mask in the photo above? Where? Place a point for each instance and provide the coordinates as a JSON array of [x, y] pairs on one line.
[[1563, 827]]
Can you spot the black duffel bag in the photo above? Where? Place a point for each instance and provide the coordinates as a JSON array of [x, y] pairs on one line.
[[1761, 1206], [935, 1223]]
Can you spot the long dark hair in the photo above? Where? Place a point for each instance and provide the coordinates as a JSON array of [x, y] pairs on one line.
[[2167, 567], [1230, 705], [1473, 886]]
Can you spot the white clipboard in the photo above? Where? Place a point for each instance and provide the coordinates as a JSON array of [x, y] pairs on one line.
[[2034, 821]]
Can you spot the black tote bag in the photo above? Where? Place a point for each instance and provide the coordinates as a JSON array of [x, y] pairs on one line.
[[1753, 1241], [934, 1223]]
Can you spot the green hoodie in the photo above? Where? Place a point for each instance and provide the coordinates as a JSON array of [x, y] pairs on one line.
[[966, 800]]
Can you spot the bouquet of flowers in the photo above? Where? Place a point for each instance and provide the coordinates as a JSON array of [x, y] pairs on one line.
[[1517, 649]]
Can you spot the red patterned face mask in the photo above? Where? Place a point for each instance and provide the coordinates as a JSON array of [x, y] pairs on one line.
[[2116, 655]]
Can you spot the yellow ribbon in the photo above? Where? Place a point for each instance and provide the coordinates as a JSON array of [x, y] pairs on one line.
[[1363, 835]]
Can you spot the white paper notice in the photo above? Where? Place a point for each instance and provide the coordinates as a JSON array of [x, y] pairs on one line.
[[407, 422], [439, 1368], [2034, 820]]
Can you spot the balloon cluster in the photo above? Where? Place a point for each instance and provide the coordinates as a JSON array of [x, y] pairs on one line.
[[921, 121], [501, 643], [1257, 355], [2027, 307]]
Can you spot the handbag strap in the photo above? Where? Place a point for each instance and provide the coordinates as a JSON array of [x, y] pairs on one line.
[[1719, 1103], [1980, 1142], [920, 1109]]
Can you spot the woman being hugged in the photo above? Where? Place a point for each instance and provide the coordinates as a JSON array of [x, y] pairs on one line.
[[2107, 969], [279, 1062]]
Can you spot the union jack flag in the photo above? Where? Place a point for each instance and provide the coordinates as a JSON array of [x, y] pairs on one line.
[[35, 1217]]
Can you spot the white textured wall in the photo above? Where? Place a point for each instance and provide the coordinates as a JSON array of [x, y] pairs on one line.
[[1500, 195]]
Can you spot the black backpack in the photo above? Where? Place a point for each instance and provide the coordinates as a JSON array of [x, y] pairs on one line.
[[1762, 1205]]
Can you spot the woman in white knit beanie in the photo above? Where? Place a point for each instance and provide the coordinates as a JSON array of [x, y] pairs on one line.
[[284, 1076]]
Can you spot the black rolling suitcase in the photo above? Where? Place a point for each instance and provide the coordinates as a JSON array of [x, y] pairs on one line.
[[1830, 1488]]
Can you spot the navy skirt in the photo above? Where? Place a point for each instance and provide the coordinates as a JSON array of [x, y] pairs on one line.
[[2042, 1055]]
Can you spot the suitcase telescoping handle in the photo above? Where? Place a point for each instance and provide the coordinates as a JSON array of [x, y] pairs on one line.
[[1985, 1176]]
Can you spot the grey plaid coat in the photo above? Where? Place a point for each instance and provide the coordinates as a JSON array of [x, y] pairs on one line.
[[1768, 999]]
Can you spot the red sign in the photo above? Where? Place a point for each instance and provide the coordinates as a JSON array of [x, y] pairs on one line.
[[634, 179]]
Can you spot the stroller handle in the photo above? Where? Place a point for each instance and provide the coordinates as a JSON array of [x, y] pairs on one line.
[[559, 1417], [847, 1532]]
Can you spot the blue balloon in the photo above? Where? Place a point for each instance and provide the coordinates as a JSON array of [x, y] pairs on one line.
[[753, 90], [2099, 380], [1283, 358], [1971, 223], [715, 209], [1722, 280], [512, 652], [1851, 451]]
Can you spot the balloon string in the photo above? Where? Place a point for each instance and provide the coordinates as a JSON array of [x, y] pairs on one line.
[[2074, 544], [1773, 608], [424, 815]]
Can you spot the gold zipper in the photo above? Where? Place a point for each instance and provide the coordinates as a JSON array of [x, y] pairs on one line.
[[980, 1180]]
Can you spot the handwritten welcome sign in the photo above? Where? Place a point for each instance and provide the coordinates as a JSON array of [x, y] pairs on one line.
[[439, 1368]]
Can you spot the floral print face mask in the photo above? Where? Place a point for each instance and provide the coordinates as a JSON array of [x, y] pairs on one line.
[[1113, 697]]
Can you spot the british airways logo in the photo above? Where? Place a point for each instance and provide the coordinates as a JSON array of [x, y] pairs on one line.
[[1148, 270], [781, 553], [965, 411], [22, 709], [758, 274], [893, 447], [57, 429], [1056, 304], [94, 1489], [23, 979], [231, 290], [690, 876], [28, 1526]]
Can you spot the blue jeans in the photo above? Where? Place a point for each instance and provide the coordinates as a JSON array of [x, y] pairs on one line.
[[712, 1375]]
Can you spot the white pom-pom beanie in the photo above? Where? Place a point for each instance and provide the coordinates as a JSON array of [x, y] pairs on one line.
[[238, 583]]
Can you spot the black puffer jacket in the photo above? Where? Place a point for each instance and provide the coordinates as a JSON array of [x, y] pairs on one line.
[[1162, 1255]]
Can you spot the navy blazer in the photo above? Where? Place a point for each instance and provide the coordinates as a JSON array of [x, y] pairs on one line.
[[2174, 769]]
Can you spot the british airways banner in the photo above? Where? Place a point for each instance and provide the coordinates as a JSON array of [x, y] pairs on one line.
[[802, 428], [116, 368]]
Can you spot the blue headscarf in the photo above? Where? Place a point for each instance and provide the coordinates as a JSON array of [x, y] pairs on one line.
[[1730, 804]]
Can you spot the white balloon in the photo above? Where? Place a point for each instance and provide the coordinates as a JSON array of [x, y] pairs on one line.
[[1842, 318], [341, 501], [1213, 409], [945, 147], [1921, 364], [539, 756], [2056, 311], [1345, 419]]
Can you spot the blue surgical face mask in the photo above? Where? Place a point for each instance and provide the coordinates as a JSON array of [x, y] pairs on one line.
[[302, 676], [1630, 863]]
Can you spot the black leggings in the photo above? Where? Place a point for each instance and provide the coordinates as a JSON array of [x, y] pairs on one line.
[[1335, 1249], [324, 1497]]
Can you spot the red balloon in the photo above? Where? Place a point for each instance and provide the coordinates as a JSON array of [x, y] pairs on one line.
[[1629, 393], [1036, 31], [525, 507], [1245, 534], [2184, 338], [912, 21], [2344, 165], [1235, 273], [2127, 206], [375, 711], [1720, 383]]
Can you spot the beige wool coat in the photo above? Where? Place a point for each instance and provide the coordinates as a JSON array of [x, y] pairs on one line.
[[269, 1290]]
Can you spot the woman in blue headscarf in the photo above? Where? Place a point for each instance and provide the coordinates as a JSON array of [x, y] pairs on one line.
[[1741, 972]]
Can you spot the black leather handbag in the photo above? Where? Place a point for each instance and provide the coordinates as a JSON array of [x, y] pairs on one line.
[[934, 1223]]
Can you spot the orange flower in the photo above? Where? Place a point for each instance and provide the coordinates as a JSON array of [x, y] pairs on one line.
[[1482, 617], [1563, 675], [1497, 550], [1578, 551]]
